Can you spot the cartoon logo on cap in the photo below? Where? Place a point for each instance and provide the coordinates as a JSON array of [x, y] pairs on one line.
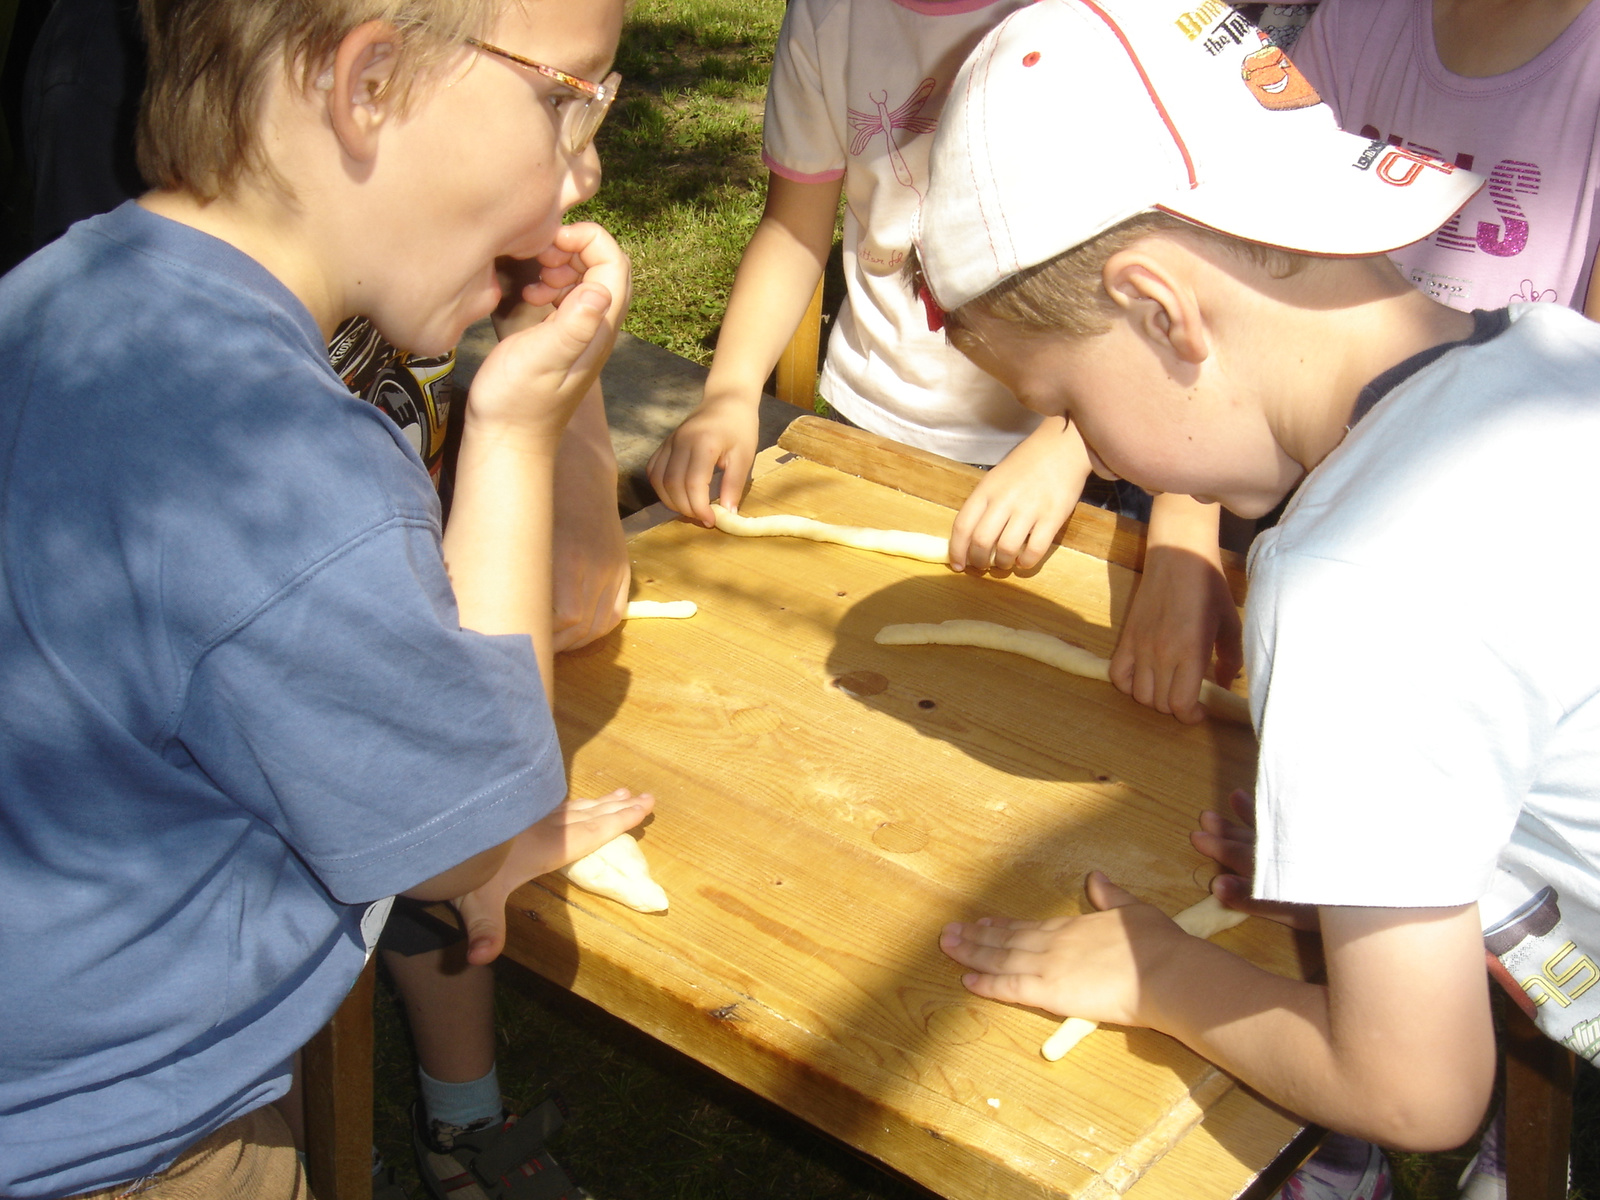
[[1274, 81]]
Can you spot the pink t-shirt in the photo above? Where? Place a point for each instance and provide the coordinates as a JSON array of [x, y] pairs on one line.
[[1534, 133]]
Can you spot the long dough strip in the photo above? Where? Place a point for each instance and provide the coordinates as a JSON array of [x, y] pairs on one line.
[[1041, 647], [922, 546], [1203, 920], [660, 608]]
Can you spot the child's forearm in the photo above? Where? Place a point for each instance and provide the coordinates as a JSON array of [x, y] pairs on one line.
[[773, 287], [587, 461], [1397, 1048], [1058, 438], [1185, 523], [497, 547]]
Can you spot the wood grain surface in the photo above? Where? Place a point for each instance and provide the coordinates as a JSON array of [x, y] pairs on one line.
[[825, 804]]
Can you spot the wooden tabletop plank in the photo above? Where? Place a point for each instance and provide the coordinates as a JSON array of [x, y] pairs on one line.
[[825, 804]]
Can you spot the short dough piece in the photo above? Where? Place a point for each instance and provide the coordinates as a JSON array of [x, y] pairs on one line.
[[1203, 920], [1051, 651], [923, 546], [660, 608], [618, 871]]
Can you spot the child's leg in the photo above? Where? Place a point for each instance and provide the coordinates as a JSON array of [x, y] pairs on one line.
[[461, 1125], [450, 1009]]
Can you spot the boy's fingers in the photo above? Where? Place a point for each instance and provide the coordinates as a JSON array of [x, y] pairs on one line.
[[1009, 988], [1221, 826], [1184, 697], [1104, 894], [1235, 856], [1234, 893], [1230, 655], [1244, 804], [1038, 545], [1122, 666], [483, 920], [736, 467], [992, 960]]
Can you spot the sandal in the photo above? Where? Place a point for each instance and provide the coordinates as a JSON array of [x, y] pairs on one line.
[[501, 1159]]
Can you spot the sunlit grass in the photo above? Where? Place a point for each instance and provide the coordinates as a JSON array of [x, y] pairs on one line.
[[684, 184]]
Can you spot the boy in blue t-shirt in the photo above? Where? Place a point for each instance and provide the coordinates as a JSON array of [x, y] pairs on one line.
[[1195, 274], [251, 690]]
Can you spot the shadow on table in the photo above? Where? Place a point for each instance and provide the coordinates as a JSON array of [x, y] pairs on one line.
[[1029, 721]]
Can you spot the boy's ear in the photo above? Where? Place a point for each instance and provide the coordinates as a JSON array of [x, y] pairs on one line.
[[355, 85], [1157, 302]]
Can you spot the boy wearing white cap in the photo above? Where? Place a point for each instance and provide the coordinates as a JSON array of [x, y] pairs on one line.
[[1196, 276]]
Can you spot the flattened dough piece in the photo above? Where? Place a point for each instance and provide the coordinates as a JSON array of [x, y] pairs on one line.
[[1203, 920], [660, 608], [618, 871], [1041, 647], [923, 546]]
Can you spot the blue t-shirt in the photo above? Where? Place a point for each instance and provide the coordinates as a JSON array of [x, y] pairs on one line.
[[238, 704]]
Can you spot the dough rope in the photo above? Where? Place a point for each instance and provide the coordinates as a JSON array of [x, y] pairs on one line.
[[1203, 920], [1041, 647], [922, 546], [660, 608]]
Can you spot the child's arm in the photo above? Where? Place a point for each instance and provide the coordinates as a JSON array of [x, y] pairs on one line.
[[592, 574], [590, 565], [1591, 304], [1018, 507], [497, 548], [1397, 1047], [774, 284], [1181, 610]]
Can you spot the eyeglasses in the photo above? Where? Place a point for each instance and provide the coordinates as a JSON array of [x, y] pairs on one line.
[[578, 121]]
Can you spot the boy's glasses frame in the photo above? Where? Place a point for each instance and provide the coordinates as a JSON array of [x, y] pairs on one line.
[[581, 125]]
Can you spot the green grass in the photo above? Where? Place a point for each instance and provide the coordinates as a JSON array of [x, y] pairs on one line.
[[684, 184]]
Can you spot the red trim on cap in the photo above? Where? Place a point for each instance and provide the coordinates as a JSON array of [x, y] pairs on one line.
[[1149, 88]]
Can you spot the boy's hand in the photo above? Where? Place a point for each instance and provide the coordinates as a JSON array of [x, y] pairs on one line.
[[1181, 611], [1014, 513], [573, 829], [723, 433], [1232, 844], [1096, 966], [531, 382]]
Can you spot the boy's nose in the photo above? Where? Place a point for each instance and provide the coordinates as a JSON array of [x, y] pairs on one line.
[[583, 177]]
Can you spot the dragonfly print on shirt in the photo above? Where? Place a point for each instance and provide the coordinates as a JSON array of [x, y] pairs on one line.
[[868, 126]]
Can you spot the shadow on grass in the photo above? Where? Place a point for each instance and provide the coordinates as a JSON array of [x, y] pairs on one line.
[[647, 1122]]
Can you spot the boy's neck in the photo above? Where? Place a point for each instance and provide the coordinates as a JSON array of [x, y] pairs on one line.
[[1344, 323], [253, 225]]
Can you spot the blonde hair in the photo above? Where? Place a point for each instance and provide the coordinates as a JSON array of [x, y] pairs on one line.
[[1066, 295], [209, 65]]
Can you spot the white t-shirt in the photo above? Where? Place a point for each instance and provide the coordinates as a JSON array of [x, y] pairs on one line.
[[857, 88], [1424, 658]]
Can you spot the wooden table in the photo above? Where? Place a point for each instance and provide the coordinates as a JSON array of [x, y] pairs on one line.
[[825, 804]]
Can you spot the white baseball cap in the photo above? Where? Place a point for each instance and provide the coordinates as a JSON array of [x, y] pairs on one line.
[[1073, 115]]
